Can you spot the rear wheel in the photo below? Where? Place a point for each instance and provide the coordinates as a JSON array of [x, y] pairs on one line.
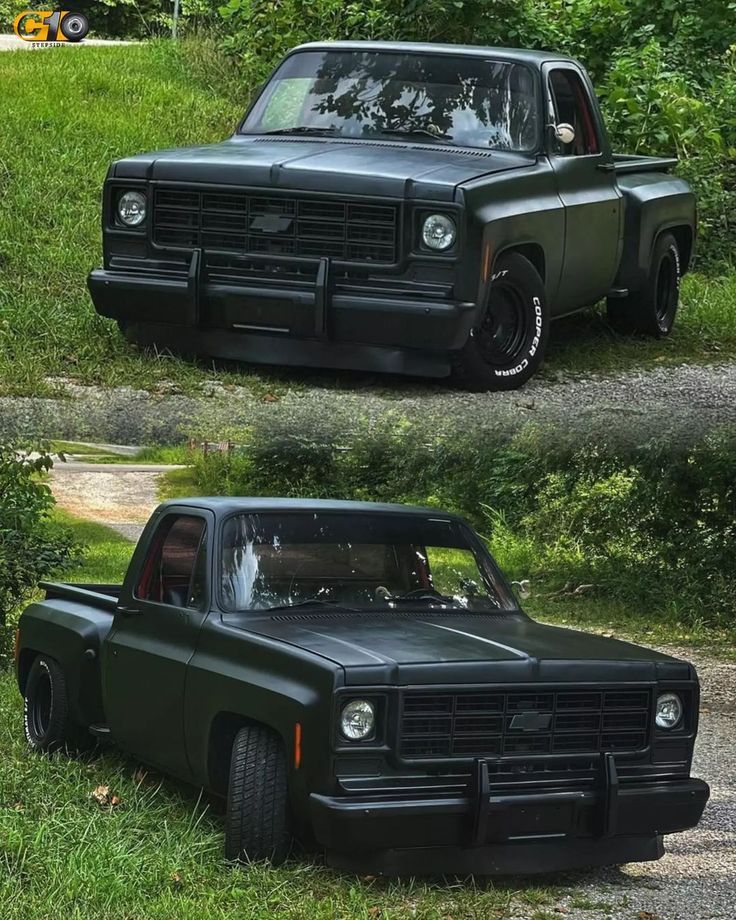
[[257, 824], [46, 718], [652, 310], [507, 346]]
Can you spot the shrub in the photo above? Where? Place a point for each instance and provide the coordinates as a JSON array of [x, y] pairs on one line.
[[653, 525], [31, 546]]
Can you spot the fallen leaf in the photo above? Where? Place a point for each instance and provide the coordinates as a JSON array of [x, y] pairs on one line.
[[269, 397], [647, 915], [103, 796], [176, 879], [374, 911]]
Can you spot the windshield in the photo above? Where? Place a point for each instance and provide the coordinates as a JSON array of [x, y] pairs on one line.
[[355, 561], [467, 101]]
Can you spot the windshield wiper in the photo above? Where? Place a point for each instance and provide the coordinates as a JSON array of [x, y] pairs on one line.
[[422, 594], [303, 129], [313, 602], [420, 132]]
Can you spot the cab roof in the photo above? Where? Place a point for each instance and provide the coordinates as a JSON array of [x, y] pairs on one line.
[[522, 55], [222, 506]]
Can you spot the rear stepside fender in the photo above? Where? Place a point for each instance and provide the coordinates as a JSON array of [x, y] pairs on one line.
[[70, 633], [654, 202]]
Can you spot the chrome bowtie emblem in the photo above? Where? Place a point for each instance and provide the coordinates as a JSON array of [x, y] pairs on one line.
[[271, 223], [531, 721]]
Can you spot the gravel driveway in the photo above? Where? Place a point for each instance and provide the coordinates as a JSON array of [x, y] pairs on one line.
[[674, 402], [119, 495], [696, 879]]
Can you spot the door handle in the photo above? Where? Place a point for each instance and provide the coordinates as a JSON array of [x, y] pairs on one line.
[[129, 611], [605, 167]]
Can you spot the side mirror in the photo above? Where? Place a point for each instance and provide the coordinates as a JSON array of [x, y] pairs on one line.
[[564, 133], [522, 589]]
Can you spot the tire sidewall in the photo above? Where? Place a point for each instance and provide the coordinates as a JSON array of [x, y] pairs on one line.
[[39, 672], [247, 831], [665, 249], [53, 737], [517, 271]]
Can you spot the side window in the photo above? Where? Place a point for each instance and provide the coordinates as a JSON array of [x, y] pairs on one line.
[[175, 569], [572, 107]]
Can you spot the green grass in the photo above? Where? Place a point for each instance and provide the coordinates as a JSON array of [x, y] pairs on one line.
[[158, 854], [106, 555], [67, 113], [635, 623], [705, 332]]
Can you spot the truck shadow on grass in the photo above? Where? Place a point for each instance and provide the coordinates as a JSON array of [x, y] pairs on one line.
[[582, 343]]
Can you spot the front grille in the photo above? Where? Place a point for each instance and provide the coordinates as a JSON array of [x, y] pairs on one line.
[[245, 222], [502, 723]]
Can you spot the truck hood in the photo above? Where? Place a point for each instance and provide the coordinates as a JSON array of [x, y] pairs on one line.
[[433, 648], [396, 170]]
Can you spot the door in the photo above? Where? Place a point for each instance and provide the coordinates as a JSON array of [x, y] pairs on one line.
[[153, 638], [586, 184]]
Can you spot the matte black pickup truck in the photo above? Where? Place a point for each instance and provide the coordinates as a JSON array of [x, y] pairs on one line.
[[360, 677], [420, 209]]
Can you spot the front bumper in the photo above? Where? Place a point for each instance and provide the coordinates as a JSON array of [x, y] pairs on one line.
[[311, 324], [488, 833]]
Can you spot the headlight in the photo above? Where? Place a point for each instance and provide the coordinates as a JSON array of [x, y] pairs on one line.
[[358, 720], [669, 710], [439, 232], [132, 208]]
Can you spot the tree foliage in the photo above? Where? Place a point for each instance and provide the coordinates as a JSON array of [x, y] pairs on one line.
[[652, 523], [31, 546]]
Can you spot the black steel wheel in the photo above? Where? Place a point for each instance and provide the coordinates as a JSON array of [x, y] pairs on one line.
[[257, 823], [46, 718], [507, 345], [652, 310]]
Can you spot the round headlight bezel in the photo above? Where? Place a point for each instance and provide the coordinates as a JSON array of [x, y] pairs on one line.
[[668, 698], [349, 731], [435, 242], [140, 217]]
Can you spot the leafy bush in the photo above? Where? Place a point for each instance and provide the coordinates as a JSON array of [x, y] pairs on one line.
[[31, 546], [9, 9], [651, 525]]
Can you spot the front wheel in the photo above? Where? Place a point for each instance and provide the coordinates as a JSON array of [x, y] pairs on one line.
[[258, 824], [507, 345], [652, 310]]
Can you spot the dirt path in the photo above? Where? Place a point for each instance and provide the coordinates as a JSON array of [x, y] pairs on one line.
[[119, 495]]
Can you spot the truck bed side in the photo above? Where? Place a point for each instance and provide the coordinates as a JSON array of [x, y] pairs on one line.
[[70, 625], [628, 163]]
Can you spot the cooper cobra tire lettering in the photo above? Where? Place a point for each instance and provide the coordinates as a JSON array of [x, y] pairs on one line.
[[507, 342]]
